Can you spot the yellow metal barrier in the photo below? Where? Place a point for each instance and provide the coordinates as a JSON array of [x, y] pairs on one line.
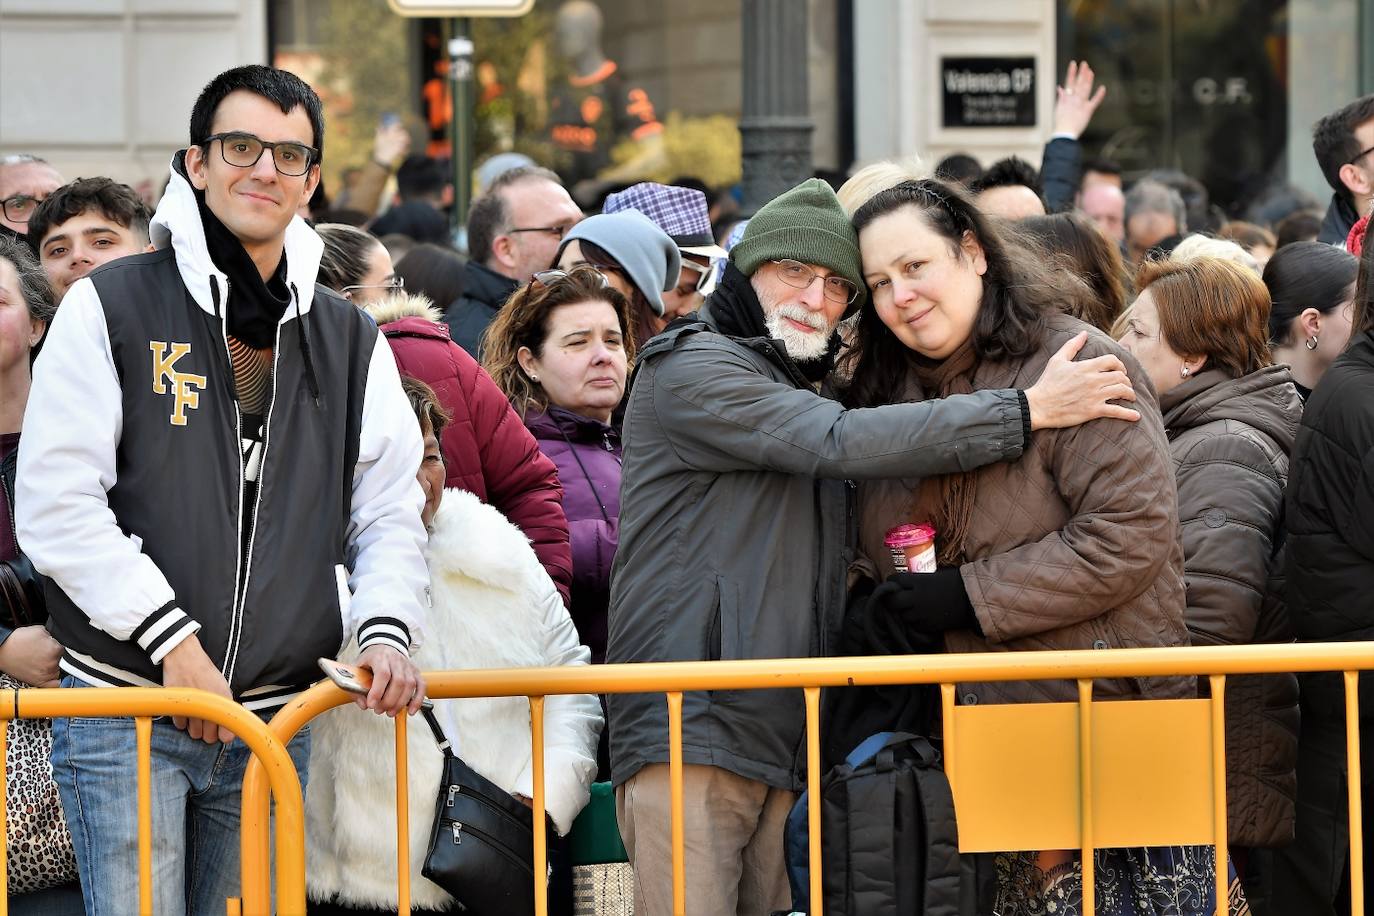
[[272, 762], [1094, 782]]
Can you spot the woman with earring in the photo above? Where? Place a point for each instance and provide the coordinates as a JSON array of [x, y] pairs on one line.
[[1312, 287], [1200, 328], [1073, 547], [560, 349]]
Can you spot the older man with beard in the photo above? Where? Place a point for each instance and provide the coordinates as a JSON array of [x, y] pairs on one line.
[[734, 533]]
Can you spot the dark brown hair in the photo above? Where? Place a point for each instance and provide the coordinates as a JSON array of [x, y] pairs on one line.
[[426, 405], [1018, 290], [1213, 308], [524, 322], [1076, 243]]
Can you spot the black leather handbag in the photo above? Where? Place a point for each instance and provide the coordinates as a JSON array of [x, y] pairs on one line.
[[481, 846]]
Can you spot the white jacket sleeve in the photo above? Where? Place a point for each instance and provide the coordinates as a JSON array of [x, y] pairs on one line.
[[72, 427], [572, 724], [386, 539]]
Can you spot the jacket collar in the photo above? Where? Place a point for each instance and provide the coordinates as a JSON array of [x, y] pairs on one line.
[[177, 223], [487, 286], [1265, 400], [555, 421]]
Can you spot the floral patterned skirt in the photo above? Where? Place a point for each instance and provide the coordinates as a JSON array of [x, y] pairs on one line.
[[1155, 881]]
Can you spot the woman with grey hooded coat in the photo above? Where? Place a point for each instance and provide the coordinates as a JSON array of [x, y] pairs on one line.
[[1200, 330]]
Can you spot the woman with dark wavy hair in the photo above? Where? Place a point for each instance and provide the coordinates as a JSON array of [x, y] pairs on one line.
[[1075, 546]]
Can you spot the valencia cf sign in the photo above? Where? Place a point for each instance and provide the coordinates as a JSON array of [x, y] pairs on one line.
[[988, 91]]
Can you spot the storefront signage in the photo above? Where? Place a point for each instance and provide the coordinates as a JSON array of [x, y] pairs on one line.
[[461, 8], [988, 91]]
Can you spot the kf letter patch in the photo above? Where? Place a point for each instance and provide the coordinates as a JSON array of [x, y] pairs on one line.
[[183, 383]]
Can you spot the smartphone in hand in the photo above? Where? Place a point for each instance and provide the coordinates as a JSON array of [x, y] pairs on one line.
[[352, 678]]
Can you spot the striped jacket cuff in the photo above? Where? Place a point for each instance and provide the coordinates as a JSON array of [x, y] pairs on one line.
[[163, 631], [386, 631]]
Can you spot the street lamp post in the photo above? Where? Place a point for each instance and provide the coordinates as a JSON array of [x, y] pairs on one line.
[[775, 130]]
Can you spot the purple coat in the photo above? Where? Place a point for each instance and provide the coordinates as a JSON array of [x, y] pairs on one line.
[[587, 453]]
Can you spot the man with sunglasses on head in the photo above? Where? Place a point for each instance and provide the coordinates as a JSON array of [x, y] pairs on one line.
[[218, 476], [25, 181], [1343, 143], [514, 230], [735, 532]]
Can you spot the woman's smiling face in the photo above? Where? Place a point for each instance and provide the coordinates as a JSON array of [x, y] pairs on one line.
[[926, 290]]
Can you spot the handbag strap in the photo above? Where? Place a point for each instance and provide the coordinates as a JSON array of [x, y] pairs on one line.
[[445, 746]]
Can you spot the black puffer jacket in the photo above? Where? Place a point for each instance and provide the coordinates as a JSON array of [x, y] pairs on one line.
[[1230, 439], [1331, 522]]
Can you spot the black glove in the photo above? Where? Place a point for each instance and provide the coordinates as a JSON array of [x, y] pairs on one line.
[[925, 603]]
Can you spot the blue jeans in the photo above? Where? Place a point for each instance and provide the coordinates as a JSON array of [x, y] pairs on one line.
[[196, 789]]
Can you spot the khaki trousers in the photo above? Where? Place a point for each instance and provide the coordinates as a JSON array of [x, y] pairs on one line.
[[733, 833]]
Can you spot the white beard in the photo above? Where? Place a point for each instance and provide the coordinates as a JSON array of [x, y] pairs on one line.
[[801, 346]]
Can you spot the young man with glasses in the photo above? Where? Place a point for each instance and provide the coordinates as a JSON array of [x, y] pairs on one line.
[[24, 181], [218, 475], [1343, 143], [734, 528], [514, 229]]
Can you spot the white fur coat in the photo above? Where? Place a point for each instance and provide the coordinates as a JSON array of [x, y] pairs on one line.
[[493, 606]]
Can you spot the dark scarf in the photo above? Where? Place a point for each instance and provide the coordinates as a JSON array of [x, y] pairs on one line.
[[255, 306], [736, 312], [947, 501]]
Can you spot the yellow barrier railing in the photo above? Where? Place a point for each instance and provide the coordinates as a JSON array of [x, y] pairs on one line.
[[272, 763], [1096, 779]]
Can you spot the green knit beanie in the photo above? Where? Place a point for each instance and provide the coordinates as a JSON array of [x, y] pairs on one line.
[[805, 224]]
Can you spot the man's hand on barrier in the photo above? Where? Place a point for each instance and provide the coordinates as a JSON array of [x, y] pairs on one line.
[[1069, 393], [31, 655], [396, 681], [188, 666]]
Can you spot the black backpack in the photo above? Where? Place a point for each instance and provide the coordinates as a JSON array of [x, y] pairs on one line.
[[889, 842]]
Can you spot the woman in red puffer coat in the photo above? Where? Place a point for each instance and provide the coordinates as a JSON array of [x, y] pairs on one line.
[[487, 449]]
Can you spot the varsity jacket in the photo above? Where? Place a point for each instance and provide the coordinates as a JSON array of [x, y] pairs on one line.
[[132, 471]]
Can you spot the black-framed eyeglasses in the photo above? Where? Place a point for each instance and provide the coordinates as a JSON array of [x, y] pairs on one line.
[[798, 276], [243, 150], [393, 285], [20, 207], [556, 275], [1359, 156], [556, 231]]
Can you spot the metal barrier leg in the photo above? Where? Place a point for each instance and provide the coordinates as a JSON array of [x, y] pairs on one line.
[[1085, 793], [143, 728], [1352, 756], [402, 815], [675, 800], [1223, 854], [541, 840], [813, 789]]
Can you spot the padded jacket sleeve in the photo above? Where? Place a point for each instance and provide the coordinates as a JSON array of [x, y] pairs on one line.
[[721, 414], [72, 426], [1060, 172], [1229, 499], [385, 538], [522, 482]]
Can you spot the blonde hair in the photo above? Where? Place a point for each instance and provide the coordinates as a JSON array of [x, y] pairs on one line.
[[1202, 246], [877, 177]]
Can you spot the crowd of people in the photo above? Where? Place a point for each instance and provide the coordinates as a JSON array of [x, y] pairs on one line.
[[243, 431]]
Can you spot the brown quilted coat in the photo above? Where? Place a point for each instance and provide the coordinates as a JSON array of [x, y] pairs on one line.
[[1231, 439], [1074, 546]]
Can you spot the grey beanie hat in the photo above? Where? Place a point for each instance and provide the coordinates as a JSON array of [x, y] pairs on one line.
[[647, 254]]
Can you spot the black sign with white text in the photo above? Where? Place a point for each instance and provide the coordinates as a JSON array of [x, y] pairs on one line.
[[988, 91]]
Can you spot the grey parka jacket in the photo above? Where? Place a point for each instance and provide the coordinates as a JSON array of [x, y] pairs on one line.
[[736, 530]]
